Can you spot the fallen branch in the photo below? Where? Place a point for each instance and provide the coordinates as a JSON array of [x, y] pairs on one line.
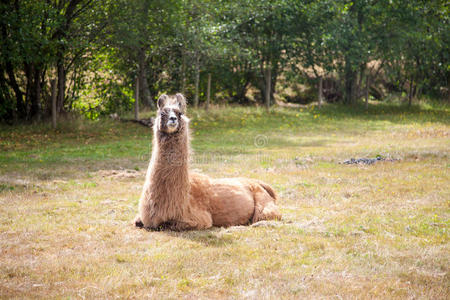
[[144, 122]]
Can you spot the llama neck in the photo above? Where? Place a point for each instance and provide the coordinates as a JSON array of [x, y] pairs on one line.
[[169, 177], [171, 152]]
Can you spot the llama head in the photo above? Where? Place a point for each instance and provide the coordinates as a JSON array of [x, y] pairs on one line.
[[171, 110]]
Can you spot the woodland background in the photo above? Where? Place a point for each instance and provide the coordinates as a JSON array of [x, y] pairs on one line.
[[243, 51]]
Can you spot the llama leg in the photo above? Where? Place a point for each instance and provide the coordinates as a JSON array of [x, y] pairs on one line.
[[182, 225], [201, 219], [138, 222], [265, 207], [147, 219], [195, 220]]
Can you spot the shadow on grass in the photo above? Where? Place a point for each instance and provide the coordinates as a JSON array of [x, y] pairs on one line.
[[208, 237]]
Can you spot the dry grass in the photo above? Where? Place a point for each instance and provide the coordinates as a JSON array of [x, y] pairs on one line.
[[349, 231]]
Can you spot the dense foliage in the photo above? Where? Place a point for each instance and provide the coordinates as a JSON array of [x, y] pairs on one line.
[[97, 51]]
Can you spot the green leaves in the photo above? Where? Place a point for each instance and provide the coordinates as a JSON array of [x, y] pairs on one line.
[[104, 45]]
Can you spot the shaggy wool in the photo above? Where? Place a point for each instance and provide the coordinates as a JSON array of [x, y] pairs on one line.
[[175, 198]]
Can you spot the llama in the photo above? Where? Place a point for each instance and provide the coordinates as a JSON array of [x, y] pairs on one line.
[[177, 199]]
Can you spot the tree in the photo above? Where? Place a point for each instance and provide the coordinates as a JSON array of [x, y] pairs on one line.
[[417, 54], [37, 36], [264, 30]]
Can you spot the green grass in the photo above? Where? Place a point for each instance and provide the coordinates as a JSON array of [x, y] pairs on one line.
[[349, 231]]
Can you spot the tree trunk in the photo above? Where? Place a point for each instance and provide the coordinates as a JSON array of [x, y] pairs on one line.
[[54, 96], [239, 86], [61, 85], [20, 105], [360, 78], [183, 72], [35, 111], [33, 93], [20, 110], [208, 91], [349, 84], [197, 80], [410, 94], [146, 92], [268, 78], [241, 90], [273, 80], [143, 83], [367, 90], [320, 91], [61, 32], [136, 100], [5, 99], [417, 90], [28, 88]]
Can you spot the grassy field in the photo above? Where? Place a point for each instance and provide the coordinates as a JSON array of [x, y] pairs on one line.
[[68, 198]]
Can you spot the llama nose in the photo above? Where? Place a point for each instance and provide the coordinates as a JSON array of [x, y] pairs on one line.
[[173, 119]]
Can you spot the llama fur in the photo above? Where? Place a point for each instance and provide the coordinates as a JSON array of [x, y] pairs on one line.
[[175, 198]]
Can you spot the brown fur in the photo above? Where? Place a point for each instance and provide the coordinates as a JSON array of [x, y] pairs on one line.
[[178, 199]]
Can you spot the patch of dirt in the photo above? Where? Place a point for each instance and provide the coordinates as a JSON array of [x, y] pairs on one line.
[[119, 173]]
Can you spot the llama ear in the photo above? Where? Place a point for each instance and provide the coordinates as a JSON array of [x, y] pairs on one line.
[[162, 100], [181, 102]]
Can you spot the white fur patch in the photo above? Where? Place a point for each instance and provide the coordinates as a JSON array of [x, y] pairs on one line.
[[172, 106], [185, 119], [172, 114], [172, 126]]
